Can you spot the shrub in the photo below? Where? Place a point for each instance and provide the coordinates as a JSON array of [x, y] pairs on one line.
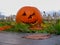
[[57, 28]]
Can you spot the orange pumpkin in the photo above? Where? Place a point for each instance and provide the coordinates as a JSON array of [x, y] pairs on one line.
[[29, 15], [5, 27]]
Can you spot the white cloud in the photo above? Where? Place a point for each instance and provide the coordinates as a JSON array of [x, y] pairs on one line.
[[12, 6]]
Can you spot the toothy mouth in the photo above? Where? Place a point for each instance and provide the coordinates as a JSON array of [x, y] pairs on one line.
[[30, 22], [34, 22]]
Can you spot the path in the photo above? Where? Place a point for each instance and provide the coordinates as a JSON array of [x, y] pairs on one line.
[[15, 39]]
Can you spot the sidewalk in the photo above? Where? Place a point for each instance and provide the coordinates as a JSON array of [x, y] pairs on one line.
[[15, 39]]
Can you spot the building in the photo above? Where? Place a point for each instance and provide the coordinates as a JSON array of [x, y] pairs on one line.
[[10, 18], [1, 16]]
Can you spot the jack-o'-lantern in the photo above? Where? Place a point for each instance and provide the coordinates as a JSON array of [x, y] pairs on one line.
[[29, 15]]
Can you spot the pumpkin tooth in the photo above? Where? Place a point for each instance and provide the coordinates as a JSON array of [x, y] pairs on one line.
[[34, 22]]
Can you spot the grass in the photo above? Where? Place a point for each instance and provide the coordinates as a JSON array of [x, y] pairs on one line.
[[51, 28]]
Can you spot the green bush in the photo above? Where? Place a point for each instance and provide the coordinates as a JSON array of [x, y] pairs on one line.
[[53, 28], [21, 27], [57, 28]]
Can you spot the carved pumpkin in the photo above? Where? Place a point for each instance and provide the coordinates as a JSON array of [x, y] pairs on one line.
[[29, 15]]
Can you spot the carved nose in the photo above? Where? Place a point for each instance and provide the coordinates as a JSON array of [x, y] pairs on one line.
[[30, 17]]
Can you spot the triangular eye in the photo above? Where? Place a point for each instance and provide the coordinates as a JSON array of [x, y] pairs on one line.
[[24, 14]]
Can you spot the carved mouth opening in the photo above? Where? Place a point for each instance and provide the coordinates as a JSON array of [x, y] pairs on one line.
[[31, 22], [34, 22]]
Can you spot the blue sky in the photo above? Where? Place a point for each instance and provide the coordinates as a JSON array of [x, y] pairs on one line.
[[9, 7]]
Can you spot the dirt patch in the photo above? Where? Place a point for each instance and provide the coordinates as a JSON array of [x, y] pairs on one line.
[[38, 36]]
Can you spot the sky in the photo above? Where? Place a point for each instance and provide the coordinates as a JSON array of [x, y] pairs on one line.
[[9, 7]]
